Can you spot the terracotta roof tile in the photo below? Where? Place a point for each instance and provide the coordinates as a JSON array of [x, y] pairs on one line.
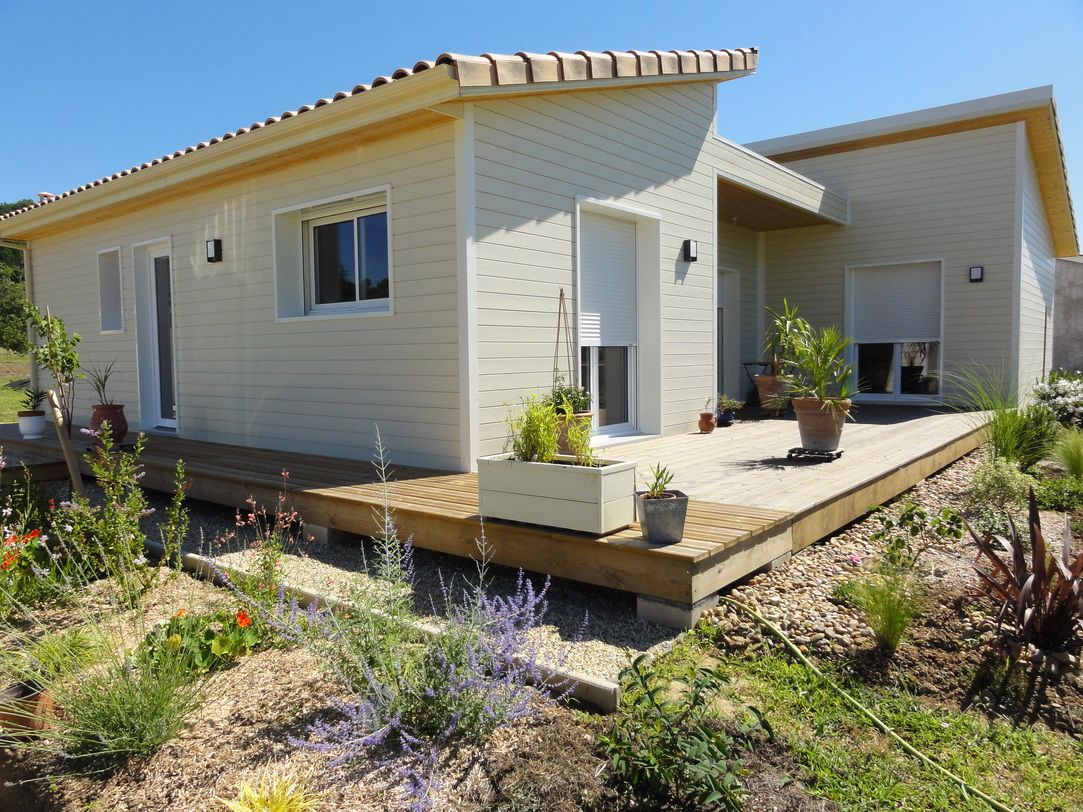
[[483, 71]]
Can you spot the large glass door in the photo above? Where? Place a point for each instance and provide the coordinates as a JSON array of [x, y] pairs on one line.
[[163, 332], [608, 374]]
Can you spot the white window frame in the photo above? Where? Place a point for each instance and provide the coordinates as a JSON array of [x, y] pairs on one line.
[[342, 215], [294, 266], [896, 396], [603, 433], [120, 290]]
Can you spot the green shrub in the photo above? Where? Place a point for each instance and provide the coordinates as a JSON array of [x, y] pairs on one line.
[[204, 641], [1059, 494], [568, 398], [1000, 485], [666, 749], [1023, 435], [1068, 451], [889, 600], [533, 432]]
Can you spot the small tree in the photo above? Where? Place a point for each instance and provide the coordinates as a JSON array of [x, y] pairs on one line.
[[56, 351]]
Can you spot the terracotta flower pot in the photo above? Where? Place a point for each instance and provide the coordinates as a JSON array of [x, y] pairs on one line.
[[772, 392], [820, 428], [25, 707], [706, 422], [562, 424], [114, 413]]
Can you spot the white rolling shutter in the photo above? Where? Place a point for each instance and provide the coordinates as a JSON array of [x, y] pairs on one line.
[[894, 303], [607, 279]]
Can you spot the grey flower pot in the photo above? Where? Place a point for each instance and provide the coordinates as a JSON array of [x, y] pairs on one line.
[[663, 519]]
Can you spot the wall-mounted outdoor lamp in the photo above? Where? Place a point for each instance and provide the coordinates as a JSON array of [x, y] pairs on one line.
[[690, 251], [977, 273], [214, 250]]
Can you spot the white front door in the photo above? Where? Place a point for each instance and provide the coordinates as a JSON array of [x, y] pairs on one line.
[[154, 330], [165, 374], [608, 314]]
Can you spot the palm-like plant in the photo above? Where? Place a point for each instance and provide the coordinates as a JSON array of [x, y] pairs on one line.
[[816, 367], [784, 331]]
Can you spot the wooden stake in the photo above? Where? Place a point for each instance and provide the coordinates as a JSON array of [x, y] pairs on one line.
[[65, 445]]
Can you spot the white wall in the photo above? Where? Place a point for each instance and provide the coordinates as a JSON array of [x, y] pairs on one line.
[[952, 198], [738, 249], [1037, 275], [316, 386]]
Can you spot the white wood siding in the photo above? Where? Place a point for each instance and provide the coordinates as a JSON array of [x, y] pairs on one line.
[[950, 198], [738, 249], [1037, 276], [308, 385], [534, 156]]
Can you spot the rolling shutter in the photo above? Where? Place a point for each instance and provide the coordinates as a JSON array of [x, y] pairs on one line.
[[894, 303], [607, 279]]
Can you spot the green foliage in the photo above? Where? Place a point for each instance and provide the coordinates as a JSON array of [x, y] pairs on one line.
[[276, 790], [846, 761], [533, 432], [204, 642], [816, 366], [33, 398], [12, 293], [1038, 600], [997, 490], [907, 536], [57, 352], [673, 749], [1064, 494], [1068, 451], [177, 519], [107, 538], [99, 379], [125, 709], [725, 404], [51, 655], [1023, 435], [578, 432], [659, 481], [890, 601], [780, 336], [568, 398]]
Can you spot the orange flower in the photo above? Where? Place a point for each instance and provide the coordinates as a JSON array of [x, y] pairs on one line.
[[33, 534], [10, 557], [180, 613], [243, 620]]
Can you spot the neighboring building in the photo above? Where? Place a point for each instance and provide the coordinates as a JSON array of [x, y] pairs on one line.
[[395, 255], [1068, 315]]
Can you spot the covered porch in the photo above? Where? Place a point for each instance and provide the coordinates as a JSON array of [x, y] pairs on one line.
[[750, 508]]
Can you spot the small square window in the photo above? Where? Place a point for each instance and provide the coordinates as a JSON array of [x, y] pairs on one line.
[[347, 260]]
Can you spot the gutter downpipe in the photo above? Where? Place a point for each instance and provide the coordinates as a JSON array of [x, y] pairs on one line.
[[28, 284]]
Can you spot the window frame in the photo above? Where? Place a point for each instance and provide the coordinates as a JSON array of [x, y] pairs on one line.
[[294, 266], [102, 330]]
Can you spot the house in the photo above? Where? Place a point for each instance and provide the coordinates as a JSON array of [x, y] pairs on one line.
[[1068, 315], [395, 255]]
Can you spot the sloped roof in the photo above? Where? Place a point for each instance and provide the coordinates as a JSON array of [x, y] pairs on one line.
[[486, 71]]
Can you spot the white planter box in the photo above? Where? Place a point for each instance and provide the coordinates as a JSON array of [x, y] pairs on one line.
[[572, 497]]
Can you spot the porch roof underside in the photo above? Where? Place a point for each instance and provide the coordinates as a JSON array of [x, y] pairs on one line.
[[758, 210]]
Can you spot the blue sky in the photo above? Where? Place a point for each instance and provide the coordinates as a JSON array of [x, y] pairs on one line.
[[92, 88]]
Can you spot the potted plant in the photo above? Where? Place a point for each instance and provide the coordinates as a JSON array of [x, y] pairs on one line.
[[913, 366], [726, 410], [31, 416], [663, 511], [572, 404], [706, 417], [533, 483], [776, 345], [818, 381], [106, 410]]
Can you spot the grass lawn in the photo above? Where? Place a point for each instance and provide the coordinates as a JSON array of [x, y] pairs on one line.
[[840, 756], [12, 368]]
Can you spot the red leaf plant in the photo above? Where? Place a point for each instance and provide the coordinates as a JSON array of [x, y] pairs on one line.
[[1040, 601]]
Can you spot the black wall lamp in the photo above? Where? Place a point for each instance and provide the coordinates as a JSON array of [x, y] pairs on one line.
[[690, 251], [214, 250], [977, 273]]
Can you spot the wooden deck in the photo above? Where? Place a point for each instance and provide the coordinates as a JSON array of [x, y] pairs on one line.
[[749, 507]]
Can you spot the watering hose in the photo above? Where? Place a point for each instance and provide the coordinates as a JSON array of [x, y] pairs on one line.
[[964, 788]]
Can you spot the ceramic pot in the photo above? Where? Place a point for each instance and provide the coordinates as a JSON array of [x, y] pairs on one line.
[[32, 424], [663, 517], [114, 413], [725, 418], [772, 392], [706, 422], [820, 428]]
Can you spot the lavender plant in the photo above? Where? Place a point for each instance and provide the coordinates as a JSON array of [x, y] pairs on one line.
[[416, 688]]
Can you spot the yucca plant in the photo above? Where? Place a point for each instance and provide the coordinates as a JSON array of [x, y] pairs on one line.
[[1040, 602], [816, 367]]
